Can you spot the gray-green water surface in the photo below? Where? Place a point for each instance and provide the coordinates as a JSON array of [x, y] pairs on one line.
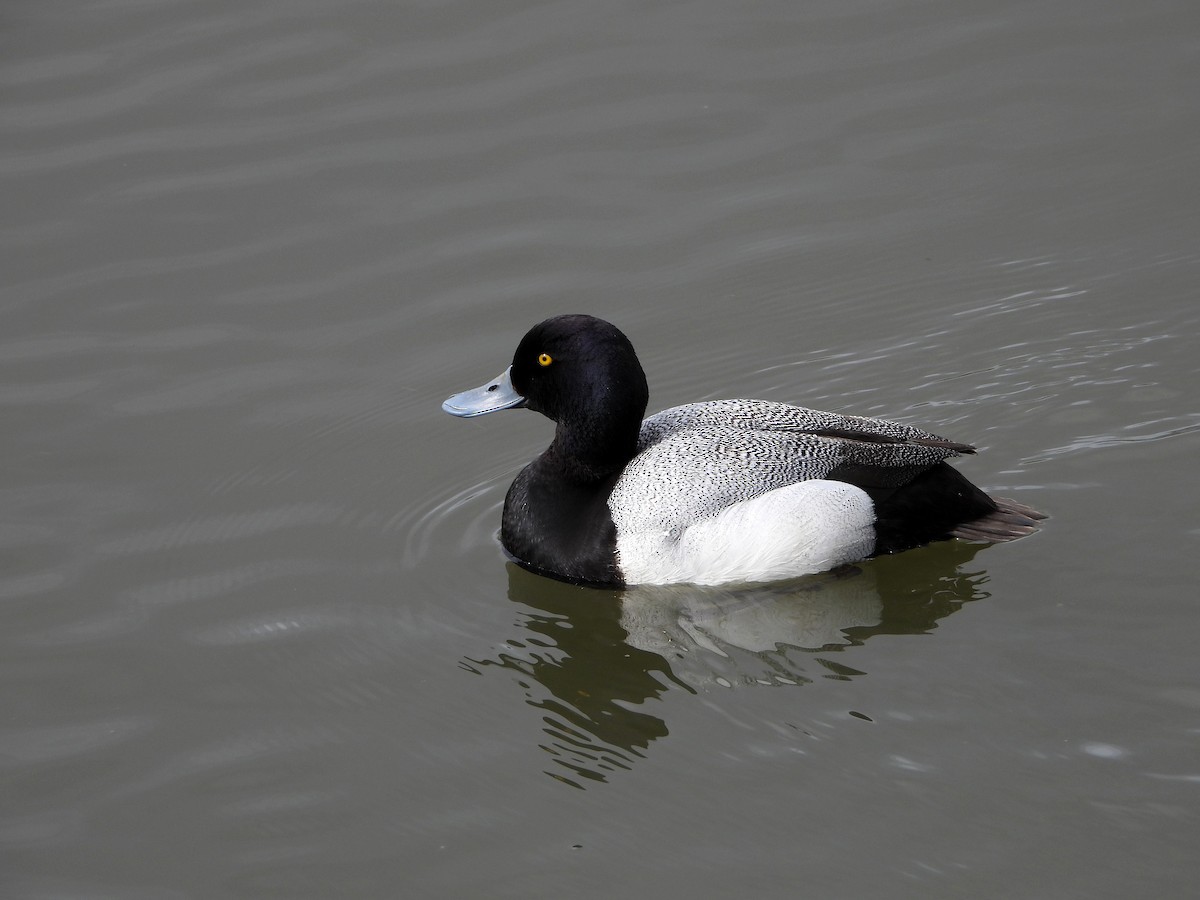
[[258, 637]]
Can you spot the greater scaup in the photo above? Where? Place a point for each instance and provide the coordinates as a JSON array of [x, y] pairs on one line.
[[717, 492]]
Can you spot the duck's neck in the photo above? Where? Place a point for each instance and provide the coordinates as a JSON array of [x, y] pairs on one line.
[[594, 452], [598, 437]]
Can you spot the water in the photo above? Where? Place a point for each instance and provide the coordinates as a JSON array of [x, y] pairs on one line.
[[258, 636]]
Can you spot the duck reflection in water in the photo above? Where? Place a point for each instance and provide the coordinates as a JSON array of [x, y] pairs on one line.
[[591, 659]]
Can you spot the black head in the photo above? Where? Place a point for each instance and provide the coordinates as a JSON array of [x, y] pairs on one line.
[[583, 373]]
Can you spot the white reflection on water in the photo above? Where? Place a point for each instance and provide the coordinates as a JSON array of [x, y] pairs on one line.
[[591, 659]]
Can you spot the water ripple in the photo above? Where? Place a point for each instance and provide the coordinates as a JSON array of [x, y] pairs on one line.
[[55, 743], [221, 529]]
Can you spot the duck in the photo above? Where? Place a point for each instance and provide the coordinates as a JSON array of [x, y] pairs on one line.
[[716, 492]]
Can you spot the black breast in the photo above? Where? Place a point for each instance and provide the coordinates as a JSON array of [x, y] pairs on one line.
[[561, 527]]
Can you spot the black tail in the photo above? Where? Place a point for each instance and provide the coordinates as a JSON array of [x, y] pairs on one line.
[[1007, 522], [941, 503]]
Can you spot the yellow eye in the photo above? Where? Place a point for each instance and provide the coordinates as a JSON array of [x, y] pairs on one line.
[[545, 359]]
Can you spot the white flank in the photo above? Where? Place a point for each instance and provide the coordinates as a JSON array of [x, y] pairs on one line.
[[799, 529]]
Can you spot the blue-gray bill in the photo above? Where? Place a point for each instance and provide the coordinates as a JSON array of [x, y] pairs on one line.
[[497, 394]]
